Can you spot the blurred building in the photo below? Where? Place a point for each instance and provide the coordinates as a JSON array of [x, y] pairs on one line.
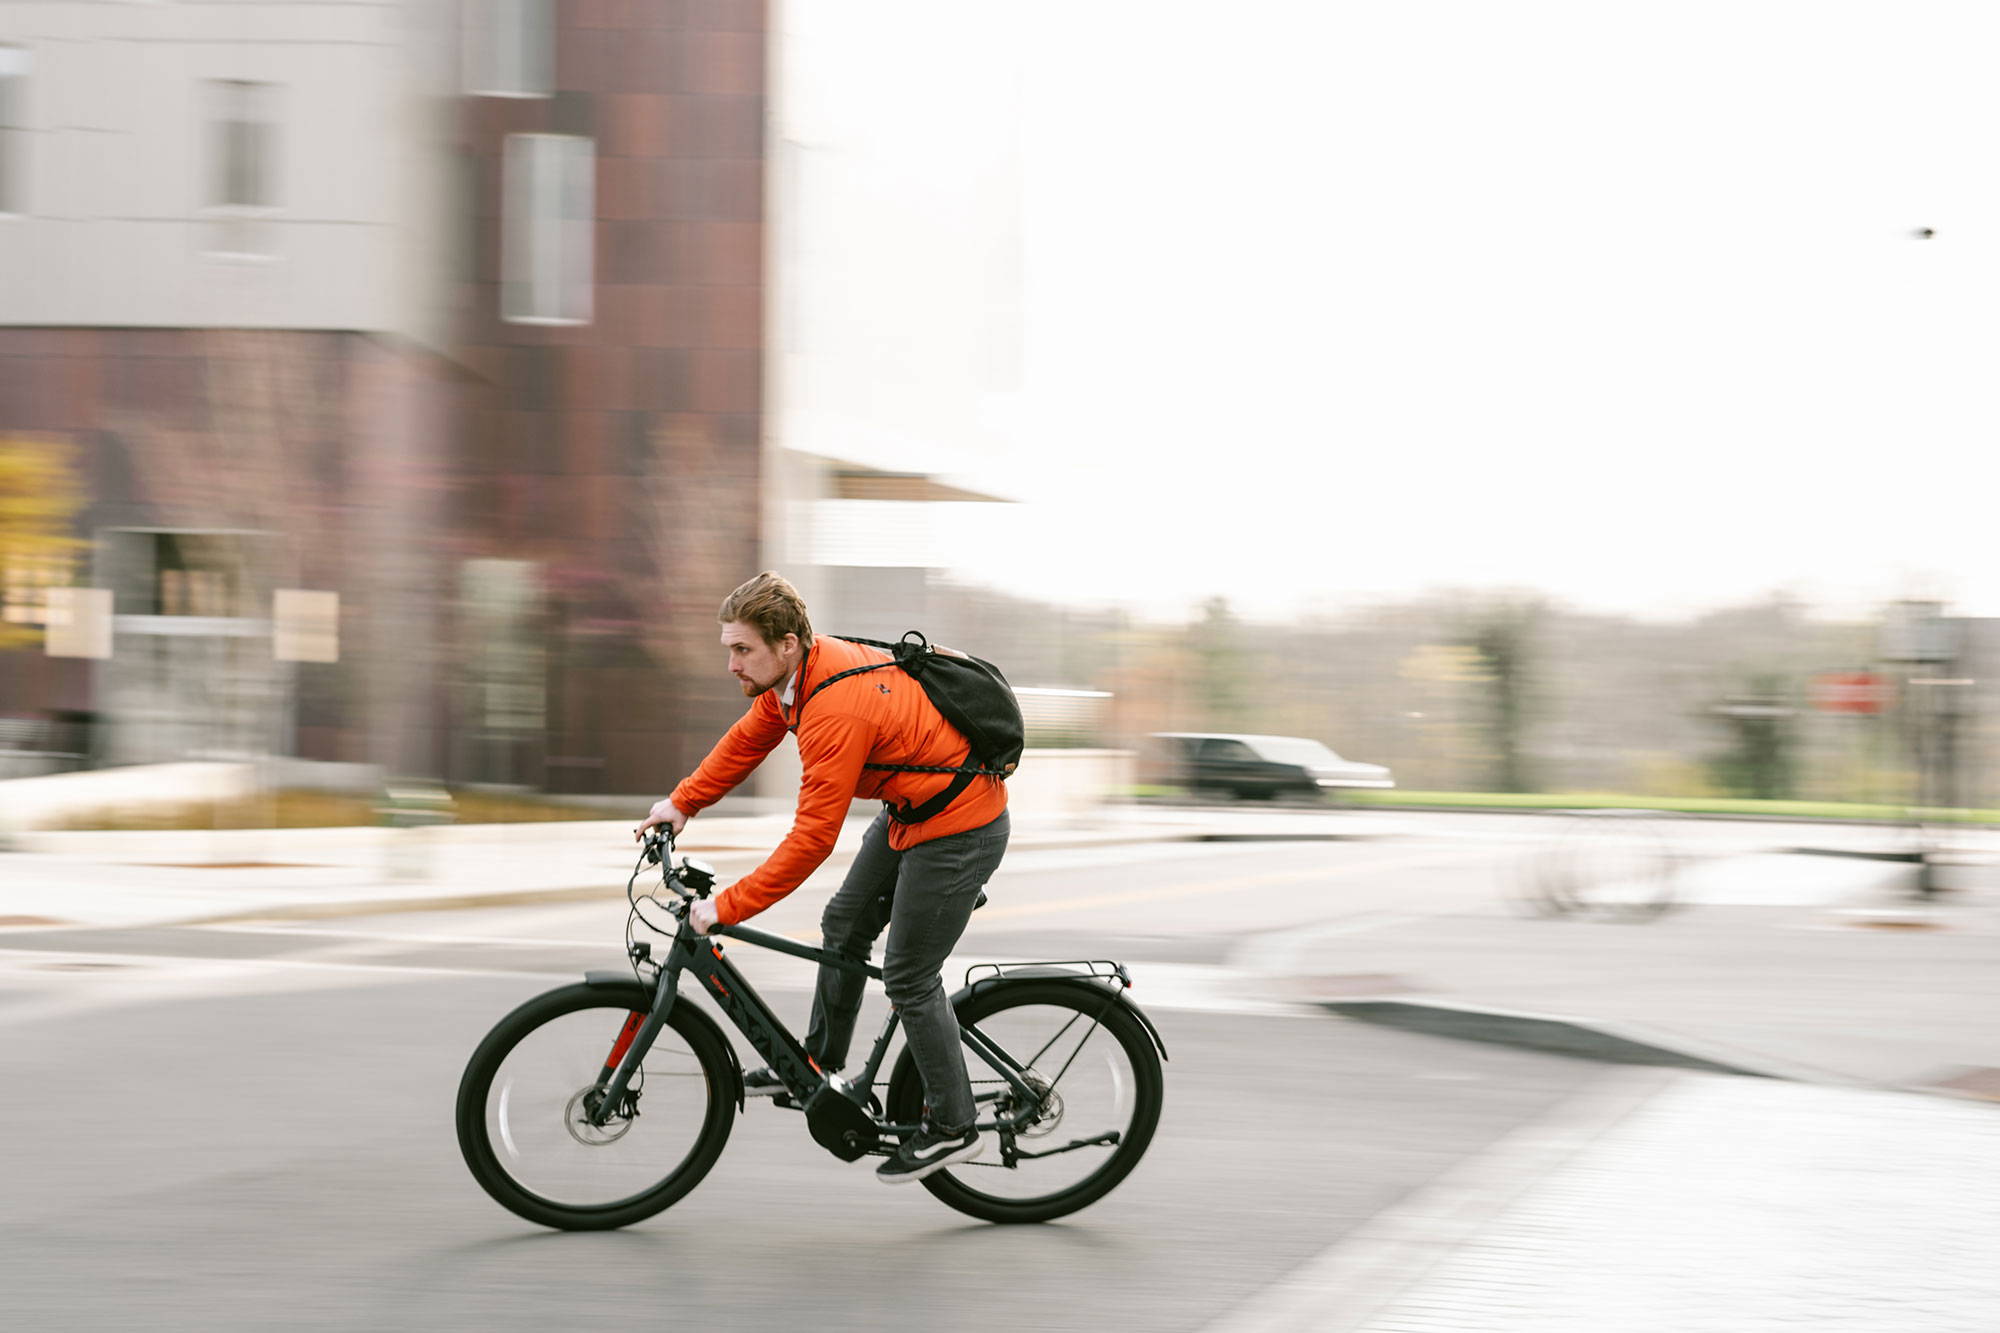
[[453, 311], [897, 356]]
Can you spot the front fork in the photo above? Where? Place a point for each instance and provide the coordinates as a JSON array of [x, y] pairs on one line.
[[634, 1040]]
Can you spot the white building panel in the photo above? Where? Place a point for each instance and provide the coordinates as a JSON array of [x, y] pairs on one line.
[[126, 199]]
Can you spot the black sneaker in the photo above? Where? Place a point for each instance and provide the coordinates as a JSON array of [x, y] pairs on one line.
[[926, 1151], [762, 1083]]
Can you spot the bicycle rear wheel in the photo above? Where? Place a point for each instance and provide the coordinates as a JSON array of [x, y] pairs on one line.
[[1104, 1091], [523, 1109]]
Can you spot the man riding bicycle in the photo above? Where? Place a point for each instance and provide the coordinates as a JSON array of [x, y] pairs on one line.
[[920, 879]]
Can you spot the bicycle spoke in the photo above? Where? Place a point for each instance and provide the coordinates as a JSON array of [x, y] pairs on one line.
[[538, 1114], [1086, 1106], [1073, 1054], [1036, 1058]]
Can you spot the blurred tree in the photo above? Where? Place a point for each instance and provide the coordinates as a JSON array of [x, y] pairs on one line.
[[1758, 762], [1600, 702], [1440, 679], [695, 515], [39, 500], [1222, 668], [1501, 635]]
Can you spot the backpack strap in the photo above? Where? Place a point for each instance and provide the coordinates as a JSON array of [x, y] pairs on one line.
[[918, 814], [904, 814], [838, 675]]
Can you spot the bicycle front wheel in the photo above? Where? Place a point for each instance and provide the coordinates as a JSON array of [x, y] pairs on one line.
[[525, 1101], [1101, 1085]]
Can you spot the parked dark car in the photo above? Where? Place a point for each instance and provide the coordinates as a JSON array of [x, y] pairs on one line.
[[1260, 767]]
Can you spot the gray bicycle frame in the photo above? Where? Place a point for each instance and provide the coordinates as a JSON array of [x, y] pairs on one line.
[[701, 957]]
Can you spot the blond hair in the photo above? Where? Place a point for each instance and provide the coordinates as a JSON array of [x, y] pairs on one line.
[[770, 605]]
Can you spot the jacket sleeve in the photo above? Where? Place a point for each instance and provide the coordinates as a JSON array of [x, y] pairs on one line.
[[740, 750], [833, 746]]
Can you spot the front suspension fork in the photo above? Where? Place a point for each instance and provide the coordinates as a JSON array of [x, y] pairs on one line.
[[635, 1039]]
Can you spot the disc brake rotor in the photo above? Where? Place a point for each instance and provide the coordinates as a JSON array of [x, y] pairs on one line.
[[576, 1119]]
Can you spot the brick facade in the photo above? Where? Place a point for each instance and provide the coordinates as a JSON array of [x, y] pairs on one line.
[[620, 458]]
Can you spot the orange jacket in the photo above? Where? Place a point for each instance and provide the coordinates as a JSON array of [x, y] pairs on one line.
[[880, 717]]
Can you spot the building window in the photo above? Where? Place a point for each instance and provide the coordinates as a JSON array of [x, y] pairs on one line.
[[243, 166], [241, 191], [25, 580], [510, 47], [203, 575], [548, 196], [14, 64]]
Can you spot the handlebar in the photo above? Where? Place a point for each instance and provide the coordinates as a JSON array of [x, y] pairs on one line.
[[658, 841], [688, 880]]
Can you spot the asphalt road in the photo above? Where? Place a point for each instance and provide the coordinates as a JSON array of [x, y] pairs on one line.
[[251, 1127]]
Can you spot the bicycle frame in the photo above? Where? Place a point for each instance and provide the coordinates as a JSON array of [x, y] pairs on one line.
[[702, 957]]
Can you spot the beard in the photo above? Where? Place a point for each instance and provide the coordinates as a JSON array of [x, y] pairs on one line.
[[751, 688]]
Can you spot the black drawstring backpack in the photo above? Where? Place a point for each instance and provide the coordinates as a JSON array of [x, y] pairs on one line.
[[973, 696]]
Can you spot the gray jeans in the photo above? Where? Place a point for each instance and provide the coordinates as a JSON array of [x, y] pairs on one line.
[[932, 887]]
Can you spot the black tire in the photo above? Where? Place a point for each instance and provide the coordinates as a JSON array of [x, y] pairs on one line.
[[687, 1047], [974, 1188]]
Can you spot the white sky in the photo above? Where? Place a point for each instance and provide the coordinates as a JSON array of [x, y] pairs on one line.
[[1619, 301]]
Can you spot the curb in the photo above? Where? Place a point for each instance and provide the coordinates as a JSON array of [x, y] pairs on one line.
[[1606, 1043], [1837, 821], [1857, 854]]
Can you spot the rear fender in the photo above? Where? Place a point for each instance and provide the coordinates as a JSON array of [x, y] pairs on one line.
[[693, 1013], [1094, 987]]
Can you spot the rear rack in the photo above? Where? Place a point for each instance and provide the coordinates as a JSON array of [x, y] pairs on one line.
[[1094, 969]]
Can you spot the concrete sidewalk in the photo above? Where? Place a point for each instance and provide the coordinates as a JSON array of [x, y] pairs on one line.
[[1673, 1202], [134, 878], [1863, 987], [164, 877]]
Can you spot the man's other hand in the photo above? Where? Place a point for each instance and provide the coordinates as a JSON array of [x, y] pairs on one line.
[[701, 915], [663, 812]]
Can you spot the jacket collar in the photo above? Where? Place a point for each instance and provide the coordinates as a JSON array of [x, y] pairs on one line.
[[792, 698]]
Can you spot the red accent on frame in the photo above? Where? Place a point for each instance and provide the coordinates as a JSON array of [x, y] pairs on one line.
[[624, 1042]]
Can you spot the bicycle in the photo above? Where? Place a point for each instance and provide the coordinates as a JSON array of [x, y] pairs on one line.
[[1617, 863], [1066, 1073]]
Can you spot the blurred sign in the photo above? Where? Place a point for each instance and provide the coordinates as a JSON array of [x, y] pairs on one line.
[[79, 622], [305, 625], [1918, 632], [1849, 692]]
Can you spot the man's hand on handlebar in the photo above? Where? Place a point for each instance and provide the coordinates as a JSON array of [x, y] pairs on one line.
[[663, 812], [701, 915]]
